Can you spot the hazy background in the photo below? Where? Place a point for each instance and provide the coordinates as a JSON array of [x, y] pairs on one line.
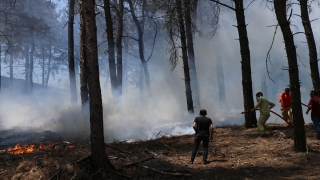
[[141, 116]]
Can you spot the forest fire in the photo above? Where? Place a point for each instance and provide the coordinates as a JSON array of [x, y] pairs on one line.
[[23, 149]]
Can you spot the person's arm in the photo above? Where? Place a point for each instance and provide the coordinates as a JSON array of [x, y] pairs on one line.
[[280, 98], [211, 131], [309, 107], [271, 105], [194, 126], [258, 105]]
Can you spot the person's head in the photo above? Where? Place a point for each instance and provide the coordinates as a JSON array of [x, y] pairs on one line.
[[287, 90], [313, 93], [203, 112], [259, 94]]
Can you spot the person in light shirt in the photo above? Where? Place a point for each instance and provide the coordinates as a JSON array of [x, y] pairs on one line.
[[264, 106]]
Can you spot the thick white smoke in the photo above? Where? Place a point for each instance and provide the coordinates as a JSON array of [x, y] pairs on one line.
[[138, 117]]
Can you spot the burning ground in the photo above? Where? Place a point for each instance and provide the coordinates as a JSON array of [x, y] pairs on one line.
[[236, 153]]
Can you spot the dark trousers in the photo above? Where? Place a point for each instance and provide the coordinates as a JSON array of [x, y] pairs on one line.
[[316, 123], [197, 141]]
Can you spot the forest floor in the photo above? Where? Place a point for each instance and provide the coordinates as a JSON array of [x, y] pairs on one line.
[[235, 153]]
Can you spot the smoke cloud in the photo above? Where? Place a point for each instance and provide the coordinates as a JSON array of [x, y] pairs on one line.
[[139, 116]]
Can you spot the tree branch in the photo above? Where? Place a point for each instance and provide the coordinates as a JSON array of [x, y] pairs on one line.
[[154, 39], [268, 54], [250, 3], [290, 16], [131, 38], [222, 4], [297, 33]]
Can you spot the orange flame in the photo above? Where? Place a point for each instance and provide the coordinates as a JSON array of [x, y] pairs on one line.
[[18, 149], [22, 149]]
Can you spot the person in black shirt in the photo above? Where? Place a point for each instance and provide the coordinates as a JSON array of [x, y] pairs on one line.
[[204, 129]]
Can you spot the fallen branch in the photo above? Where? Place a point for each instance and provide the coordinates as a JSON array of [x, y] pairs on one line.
[[137, 162], [108, 145], [8, 164], [167, 145], [150, 152], [166, 173], [83, 161], [113, 158], [55, 175]]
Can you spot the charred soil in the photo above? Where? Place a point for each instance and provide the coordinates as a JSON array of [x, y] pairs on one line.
[[235, 153]]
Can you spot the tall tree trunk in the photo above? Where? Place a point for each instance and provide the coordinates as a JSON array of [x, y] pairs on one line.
[[0, 67], [119, 47], [72, 74], [76, 60], [111, 53], [141, 87], [27, 68], [33, 46], [185, 57], [125, 65], [195, 6], [84, 92], [140, 27], [99, 157], [49, 64], [313, 59], [191, 56], [43, 66], [250, 118], [299, 134], [11, 60]]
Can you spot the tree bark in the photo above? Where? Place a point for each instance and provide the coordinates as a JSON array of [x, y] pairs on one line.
[[125, 65], [119, 47], [111, 47], [250, 118], [140, 27], [99, 157], [185, 57], [191, 56], [313, 59], [141, 82], [72, 74], [299, 134], [11, 60], [27, 67], [0, 67], [43, 66], [33, 46], [84, 92], [49, 64]]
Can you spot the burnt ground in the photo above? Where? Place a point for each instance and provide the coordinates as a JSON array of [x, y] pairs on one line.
[[236, 153]]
